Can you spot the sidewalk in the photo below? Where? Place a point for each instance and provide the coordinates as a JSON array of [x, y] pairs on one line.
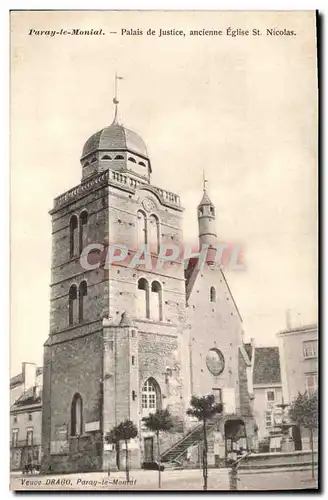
[[172, 480]]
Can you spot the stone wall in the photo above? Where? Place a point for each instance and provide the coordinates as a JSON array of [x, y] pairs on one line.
[[213, 325]]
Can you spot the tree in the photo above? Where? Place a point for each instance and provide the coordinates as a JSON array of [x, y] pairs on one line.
[[304, 412], [123, 432], [204, 408], [161, 421]]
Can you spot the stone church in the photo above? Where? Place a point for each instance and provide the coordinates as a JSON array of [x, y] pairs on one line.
[[127, 340]]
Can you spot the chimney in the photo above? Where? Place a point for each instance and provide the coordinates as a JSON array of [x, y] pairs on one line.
[[288, 319], [29, 375]]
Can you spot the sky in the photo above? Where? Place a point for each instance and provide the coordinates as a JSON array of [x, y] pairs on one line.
[[244, 109]]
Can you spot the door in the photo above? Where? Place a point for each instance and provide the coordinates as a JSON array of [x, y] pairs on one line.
[[149, 449], [296, 433]]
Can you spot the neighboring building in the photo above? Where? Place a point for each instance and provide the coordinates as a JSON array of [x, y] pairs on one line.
[[299, 355], [26, 417], [28, 377], [267, 388], [126, 340]]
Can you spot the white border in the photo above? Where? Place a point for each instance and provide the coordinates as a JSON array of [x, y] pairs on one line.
[[4, 171]]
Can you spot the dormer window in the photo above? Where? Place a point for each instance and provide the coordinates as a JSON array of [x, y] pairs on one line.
[[142, 163], [119, 157], [106, 157], [132, 159]]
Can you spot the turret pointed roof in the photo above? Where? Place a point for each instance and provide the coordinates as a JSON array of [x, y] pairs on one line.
[[205, 200]]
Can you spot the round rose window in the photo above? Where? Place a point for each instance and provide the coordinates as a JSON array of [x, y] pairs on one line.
[[215, 361]]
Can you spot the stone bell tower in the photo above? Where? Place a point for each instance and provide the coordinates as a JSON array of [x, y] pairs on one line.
[[114, 346]]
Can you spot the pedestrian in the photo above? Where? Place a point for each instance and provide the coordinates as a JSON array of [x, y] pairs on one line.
[[108, 471]]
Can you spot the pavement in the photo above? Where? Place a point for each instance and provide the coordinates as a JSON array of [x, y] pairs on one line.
[[172, 480]]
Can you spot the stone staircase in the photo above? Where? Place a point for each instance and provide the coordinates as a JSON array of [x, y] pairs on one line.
[[174, 455]]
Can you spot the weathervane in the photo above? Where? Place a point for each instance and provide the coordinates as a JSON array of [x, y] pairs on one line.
[[115, 100]]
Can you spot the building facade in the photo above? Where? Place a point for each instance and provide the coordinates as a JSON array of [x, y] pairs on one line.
[[130, 331], [26, 417], [299, 356], [267, 389]]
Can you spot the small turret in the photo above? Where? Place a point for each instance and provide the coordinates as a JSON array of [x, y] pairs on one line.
[[206, 225]]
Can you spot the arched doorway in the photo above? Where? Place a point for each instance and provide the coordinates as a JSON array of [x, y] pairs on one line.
[[235, 439], [151, 401]]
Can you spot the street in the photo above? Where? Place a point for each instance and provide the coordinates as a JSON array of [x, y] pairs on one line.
[[171, 480]]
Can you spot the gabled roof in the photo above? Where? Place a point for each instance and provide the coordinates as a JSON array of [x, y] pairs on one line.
[[19, 379], [16, 380], [30, 397], [191, 273], [300, 329], [266, 366]]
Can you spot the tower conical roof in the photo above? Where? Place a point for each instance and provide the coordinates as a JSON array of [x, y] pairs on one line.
[[205, 200]]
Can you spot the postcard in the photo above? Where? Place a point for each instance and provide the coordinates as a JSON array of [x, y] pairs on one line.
[[164, 309]]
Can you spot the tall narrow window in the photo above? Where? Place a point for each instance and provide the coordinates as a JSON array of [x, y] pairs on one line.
[[212, 294], [29, 437], [14, 438], [72, 305], [271, 396], [310, 349], [142, 228], [143, 298], [83, 230], [76, 415], [311, 380], [83, 292], [73, 225], [156, 301], [154, 234]]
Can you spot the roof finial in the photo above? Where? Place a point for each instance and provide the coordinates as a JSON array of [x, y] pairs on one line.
[[115, 100], [204, 181]]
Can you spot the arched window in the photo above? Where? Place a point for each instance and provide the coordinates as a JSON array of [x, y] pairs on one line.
[[156, 310], [83, 230], [76, 415], [142, 163], [73, 235], [201, 211], [150, 397], [132, 159], [86, 164], [143, 298], [212, 211], [154, 234], [119, 157], [106, 157], [212, 294], [94, 159], [83, 292], [72, 305], [142, 228]]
